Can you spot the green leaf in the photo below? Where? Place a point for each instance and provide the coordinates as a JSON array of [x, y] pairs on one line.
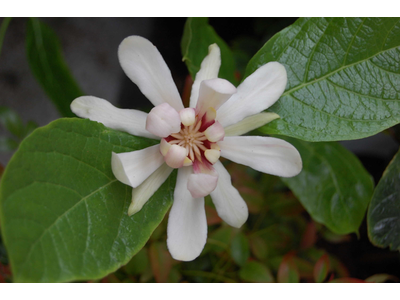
[[240, 250], [3, 30], [288, 272], [343, 77], [197, 36], [321, 269], [254, 271], [384, 211], [47, 64], [63, 213], [333, 186]]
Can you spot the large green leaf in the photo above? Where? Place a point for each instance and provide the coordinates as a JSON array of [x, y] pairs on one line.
[[343, 77], [197, 36], [333, 186], [63, 213], [384, 210], [47, 64]]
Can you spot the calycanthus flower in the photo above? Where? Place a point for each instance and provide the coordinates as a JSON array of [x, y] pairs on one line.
[[193, 139]]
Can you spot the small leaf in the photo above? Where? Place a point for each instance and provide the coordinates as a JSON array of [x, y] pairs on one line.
[[160, 260], [47, 64], [288, 272], [343, 77], [218, 241], [63, 213], [381, 278], [333, 186], [321, 269], [259, 247], [384, 211], [240, 250], [197, 36], [254, 271]]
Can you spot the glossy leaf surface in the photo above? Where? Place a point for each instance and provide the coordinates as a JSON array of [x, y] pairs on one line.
[[48, 65], [63, 213], [384, 210], [333, 186], [197, 36], [343, 77]]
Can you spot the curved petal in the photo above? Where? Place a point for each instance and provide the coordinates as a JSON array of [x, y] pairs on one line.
[[132, 168], [256, 93], [213, 93], [144, 65], [143, 192], [163, 120], [265, 154], [209, 69], [128, 120], [227, 200], [201, 185], [250, 123], [187, 224]]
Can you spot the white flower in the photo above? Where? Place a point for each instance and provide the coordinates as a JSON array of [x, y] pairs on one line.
[[193, 139]]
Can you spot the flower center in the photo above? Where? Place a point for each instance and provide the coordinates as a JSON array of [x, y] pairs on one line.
[[195, 143], [192, 139]]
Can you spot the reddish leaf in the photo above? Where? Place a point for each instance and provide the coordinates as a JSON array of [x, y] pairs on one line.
[[160, 261], [321, 268], [187, 89], [309, 236], [288, 272]]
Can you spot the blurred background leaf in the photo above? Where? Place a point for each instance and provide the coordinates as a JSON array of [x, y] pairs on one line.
[[46, 61], [333, 186], [197, 36]]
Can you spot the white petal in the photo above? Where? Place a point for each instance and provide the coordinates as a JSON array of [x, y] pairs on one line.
[[208, 70], [265, 154], [201, 185], [188, 116], [175, 156], [256, 93], [227, 200], [213, 93], [250, 123], [215, 132], [128, 120], [144, 65], [187, 224], [132, 168], [163, 120], [143, 192]]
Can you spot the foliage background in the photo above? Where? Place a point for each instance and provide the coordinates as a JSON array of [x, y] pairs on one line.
[[91, 55]]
